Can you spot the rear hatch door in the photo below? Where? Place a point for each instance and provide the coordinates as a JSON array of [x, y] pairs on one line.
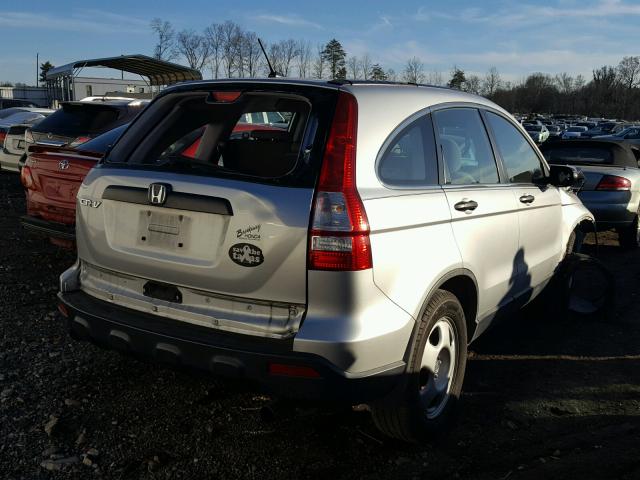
[[204, 206]]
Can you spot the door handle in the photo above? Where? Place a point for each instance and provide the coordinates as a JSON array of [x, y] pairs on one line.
[[527, 198], [466, 206]]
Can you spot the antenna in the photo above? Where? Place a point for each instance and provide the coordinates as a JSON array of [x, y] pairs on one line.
[[272, 72]]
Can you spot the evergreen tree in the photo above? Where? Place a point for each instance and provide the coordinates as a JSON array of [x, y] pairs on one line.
[[44, 68], [377, 73], [457, 79], [334, 55]]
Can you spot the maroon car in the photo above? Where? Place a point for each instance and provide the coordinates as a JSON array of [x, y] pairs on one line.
[[51, 177]]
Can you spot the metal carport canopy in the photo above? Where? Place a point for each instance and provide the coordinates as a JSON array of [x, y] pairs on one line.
[[158, 72]]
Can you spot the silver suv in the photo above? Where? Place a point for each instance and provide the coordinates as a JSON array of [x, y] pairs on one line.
[[350, 252]]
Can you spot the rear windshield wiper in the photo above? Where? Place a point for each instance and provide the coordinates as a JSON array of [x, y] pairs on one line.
[[183, 163]]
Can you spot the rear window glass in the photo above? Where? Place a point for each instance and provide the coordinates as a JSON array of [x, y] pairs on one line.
[[7, 112], [103, 142], [578, 155], [261, 135], [22, 117], [79, 119]]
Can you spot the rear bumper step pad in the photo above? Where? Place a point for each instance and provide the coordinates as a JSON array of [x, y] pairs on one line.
[[221, 353]]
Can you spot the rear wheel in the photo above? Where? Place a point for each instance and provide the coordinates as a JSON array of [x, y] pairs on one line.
[[629, 237], [425, 403]]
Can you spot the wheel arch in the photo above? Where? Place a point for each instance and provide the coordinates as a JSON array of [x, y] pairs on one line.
[[462, 283]]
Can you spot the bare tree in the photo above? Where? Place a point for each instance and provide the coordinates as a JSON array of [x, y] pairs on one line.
[[289, 51], [253, 59], [231, 38], [629, 71], [564, 82], [215, 37], [365, 66], [392, 76], [414, 71], [276, 56], [304, 58], [319, 63], [472, 84], [353, 65], [165, 48], [194, 47], [491, 82], [579, 82], [435, 78]]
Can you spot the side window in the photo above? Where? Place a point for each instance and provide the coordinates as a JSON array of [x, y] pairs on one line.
[[519, 158], [633, 134], [466, 151], [410, 159]]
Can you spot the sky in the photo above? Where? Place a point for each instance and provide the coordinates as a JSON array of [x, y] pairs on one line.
[[517, 37]]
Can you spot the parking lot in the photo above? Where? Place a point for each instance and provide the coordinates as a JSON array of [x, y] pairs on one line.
[[543, 397]]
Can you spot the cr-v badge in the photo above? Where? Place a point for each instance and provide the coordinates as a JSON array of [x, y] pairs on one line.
[[87, 202]]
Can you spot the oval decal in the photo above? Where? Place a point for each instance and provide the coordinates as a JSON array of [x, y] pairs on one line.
[[246, 255]]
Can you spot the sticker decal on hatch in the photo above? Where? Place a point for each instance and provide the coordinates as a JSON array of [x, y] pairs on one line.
[[246, 255], [251, 232]]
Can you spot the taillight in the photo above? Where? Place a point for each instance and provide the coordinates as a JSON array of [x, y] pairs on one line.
[[28, 137], [26, 178], [613, 182], [79, 141], [3, 136], [339, 234], [223, 97]]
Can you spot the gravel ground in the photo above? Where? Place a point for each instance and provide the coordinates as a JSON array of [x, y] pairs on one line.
[[544, 398]]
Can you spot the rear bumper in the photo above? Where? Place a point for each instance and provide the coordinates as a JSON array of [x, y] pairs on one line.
[[47, 228], [9, 161], [610, 209], [222, 353]]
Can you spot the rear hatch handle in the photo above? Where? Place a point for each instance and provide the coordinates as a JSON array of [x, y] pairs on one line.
[[171, 199]]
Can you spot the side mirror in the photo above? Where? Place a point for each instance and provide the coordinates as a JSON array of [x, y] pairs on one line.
[[565, 176]]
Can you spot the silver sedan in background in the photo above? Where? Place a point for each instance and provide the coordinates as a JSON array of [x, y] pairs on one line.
[[13, 123], [611, 190]]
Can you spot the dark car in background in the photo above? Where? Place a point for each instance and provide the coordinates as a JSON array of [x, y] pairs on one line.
[[15, 102], [611, 189], [78, 122]]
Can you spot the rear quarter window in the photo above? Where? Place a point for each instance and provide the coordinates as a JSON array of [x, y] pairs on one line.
[[410, 158]]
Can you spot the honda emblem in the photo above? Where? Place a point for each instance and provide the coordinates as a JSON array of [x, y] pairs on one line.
[[158, 193], [63, 164]]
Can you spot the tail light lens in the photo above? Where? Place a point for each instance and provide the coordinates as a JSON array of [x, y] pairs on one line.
[[28, 137], [26, 177], [339, 234], [223, 97], [79, 141], [613, 182], [3, 137]]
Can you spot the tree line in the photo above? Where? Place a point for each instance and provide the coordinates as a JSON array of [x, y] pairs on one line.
[[226, 50]]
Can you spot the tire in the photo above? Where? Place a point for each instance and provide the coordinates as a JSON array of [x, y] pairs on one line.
[[585, 288], [425, 403], [629, 237]]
